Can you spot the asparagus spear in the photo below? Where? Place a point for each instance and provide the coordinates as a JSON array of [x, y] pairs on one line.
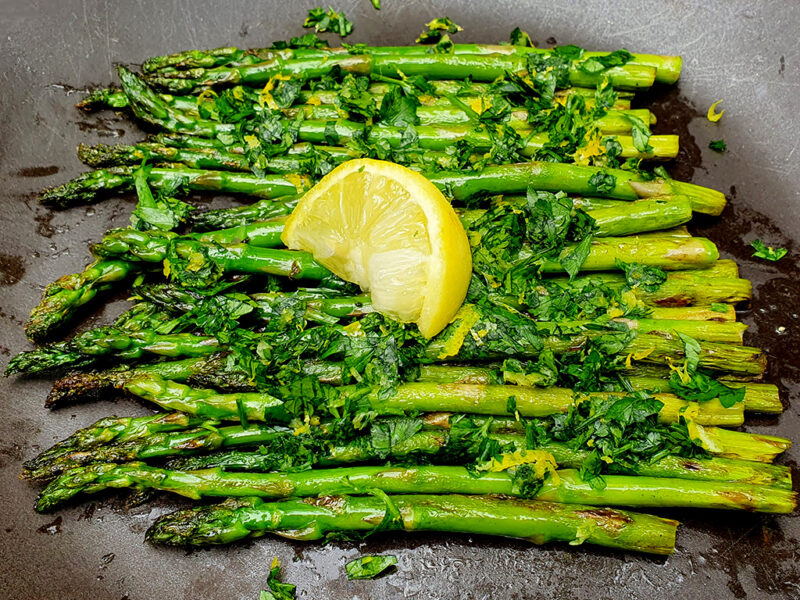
[[563, 486], [532, 520], [436, 444], [504, 179], [668, 67], [759, 397], [111, 429], [435, 121], [94, 185], [669, 253], [408, 398], [432, 66], [654, 347], [62, 298], [435, 112], [112, 98]]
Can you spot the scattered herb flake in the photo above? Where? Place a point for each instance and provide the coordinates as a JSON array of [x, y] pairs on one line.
[[335, 22], [369, 567], [718, 146], [767, 252], [437, 29], [277, 589]]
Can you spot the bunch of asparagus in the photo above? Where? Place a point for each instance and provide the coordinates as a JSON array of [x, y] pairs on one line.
[[597, 362]]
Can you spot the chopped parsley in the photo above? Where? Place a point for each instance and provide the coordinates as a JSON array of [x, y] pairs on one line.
[[335, 22], [718, 146], [767, 252], [369, 567]]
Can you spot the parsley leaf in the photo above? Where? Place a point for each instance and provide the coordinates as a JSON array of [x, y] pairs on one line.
[[767, 252], [278, 589], [438, 29], [521, 38], [569, 51], [702, 388], [719, 307], [691, 348], [369, 567], [354, 97], [641, 133], [385, 436], [573, 260], [597, 64], [309, 40], [164, 212], [399, 108], [335, 22], [603, 182], [639, 275], [718, 146]]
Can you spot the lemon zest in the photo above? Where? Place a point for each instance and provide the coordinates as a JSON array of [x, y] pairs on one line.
[[683, 372], [265, 96], [542, 462], [641, 354], [196, 262], [712, 114], [297, 181], [467, 316]]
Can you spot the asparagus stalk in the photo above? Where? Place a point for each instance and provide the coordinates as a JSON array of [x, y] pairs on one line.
[[432, 66], [447, 123], [310, 519], [436, 443], [612, 123], [408, 398], [112, 98], [669, 253], [759, 397], [667, 67], [505, 179], [110, 430], [62, 298], [321, 309], [440, 137], [87, 347], [656, 347], [210, 369], [94, 185], [563, 486]]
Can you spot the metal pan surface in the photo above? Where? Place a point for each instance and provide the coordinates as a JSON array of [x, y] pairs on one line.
[[746, 53]]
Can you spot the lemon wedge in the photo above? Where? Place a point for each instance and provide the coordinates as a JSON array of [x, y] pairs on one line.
[[392, 232]]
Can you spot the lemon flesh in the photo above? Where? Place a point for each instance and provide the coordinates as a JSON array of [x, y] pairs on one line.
[[392, 232]]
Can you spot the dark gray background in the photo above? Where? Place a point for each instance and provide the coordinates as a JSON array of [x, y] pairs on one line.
[[746, 53]]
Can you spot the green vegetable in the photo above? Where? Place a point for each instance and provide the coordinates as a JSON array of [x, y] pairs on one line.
[[335, 22], [278, 590], [767, 252], [438, 29], [701, 388], [532, 520], [718, 146], [369, 567]]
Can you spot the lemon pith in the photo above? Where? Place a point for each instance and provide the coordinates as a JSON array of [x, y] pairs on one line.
[[392, 232]]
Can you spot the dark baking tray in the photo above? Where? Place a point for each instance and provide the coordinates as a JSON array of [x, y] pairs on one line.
[[744, 52]]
